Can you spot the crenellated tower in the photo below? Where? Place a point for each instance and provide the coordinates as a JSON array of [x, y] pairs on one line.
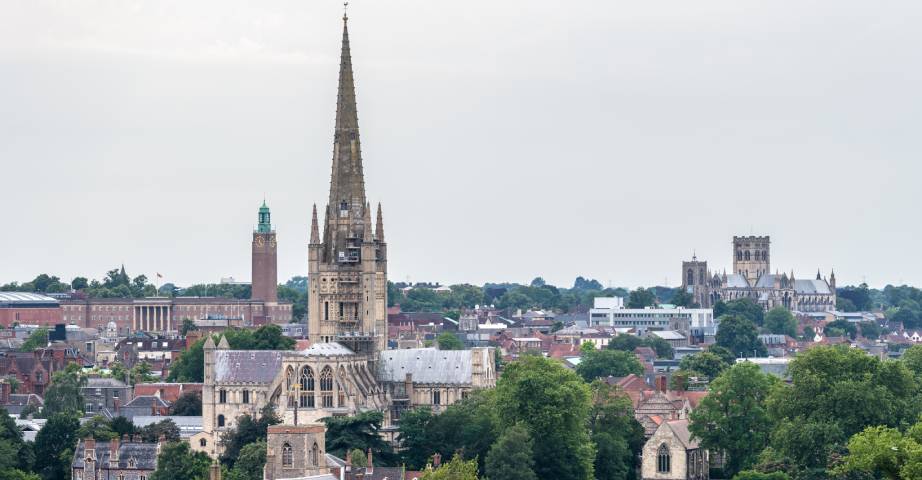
[[264, 256], [347, 262]]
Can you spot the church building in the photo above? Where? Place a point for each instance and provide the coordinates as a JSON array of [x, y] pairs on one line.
[[751, 278], [347, 368]]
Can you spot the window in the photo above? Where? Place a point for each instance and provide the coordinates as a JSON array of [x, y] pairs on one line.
[[690, 277], [222, 396], [436, 397], [203, 443], [326, 311], [315, 455], [246, 396], [287, 457], [220, 420], [307, 387], [326, 387], [115, 394], [663, 459]]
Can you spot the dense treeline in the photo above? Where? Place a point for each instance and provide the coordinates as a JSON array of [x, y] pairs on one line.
[[841, 416]]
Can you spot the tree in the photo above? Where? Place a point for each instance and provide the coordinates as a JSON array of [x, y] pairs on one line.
[[882, 452], [188, 404], [740, 336], [745, 307], [456, 469], [38, 339], [553, 403], [122, 426], [836, 392], [608, 363], [870, 330], [141, 373], [859, 297], [841, 328], [359, 431], [682, 298], [512, 456], [250, 463], [733, 417], [359, 459], [164, 428], [752, 475], [912, 358], [187, 326], [625, 342], [466, 426], [706, 363], [906, 317], [538, 282], [449, 341], [65, 394], [15, 454], [779, 320], [618, 436], [249, 430], [79, 283], [97, 427], [54, 446], [177, 461], [641, 298]]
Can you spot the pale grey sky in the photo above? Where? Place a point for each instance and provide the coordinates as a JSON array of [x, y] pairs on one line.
[[505, 139]]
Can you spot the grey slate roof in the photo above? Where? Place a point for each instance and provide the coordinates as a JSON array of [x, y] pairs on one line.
[[144, 455], [97, 382], [427, 365], [246, 366], [333, 349], [737, 281], [680, 428], [811, 286], [767, 281]]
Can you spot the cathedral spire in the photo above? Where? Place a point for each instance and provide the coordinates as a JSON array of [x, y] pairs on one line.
[[379, 227], [347, 183], [315, 229], [366, 220]]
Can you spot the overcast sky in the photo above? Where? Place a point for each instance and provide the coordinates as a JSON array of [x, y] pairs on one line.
[[506, 140]]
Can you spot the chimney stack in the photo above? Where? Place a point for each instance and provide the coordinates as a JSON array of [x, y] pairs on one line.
[[436, 460], [113, 453]]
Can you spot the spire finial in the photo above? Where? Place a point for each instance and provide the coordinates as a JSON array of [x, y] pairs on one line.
[[345, 11]]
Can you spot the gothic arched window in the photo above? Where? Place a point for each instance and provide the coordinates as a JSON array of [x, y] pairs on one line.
[[746, 255], [315, 455], [220, 420], [287, 456], [690, 277], [739, 255], [663, 459], [326, 387], [307, 387], [222, 396]]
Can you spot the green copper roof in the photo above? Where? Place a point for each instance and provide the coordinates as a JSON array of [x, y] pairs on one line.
[[265, 224]]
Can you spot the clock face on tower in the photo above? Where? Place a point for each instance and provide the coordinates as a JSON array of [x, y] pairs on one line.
[[272, 242], [259, 241]]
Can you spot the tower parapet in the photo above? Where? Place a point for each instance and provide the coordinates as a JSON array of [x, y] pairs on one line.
[[751, 257]]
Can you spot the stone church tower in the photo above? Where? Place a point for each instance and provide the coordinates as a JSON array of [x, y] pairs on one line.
[[696, 279], [347, 266], [751, 257], [265, 276]]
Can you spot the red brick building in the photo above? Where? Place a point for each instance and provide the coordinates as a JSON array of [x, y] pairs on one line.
[[169, 392], [28, 309], [34, 369], [264, 271]]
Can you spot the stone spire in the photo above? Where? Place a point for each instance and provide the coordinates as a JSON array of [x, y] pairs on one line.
[[818, 276], [366, 220], [315, 229], [347, 183], [223, 345], [379, 227]]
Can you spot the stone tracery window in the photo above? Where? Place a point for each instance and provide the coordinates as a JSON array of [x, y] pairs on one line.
[[326, 387], [307, 387], [287, 456], [315, 455], [663, 459]]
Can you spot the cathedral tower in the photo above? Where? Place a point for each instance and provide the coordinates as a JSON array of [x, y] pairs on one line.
[[751, 257], [265, 277], [347, 265], [696, 281]]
